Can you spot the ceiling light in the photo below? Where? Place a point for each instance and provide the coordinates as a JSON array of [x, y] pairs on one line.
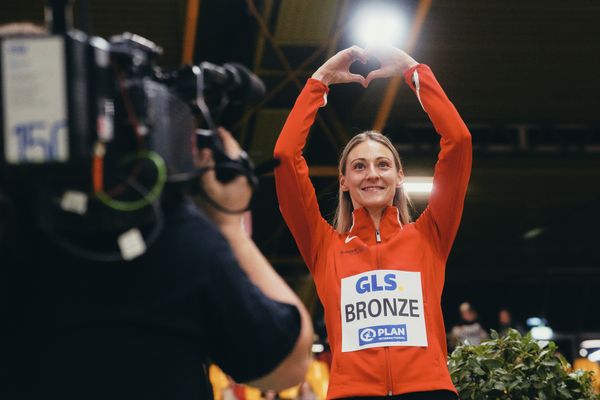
[[590, 344], [418, 184], [595, 356], [379, 24], [533, 233], [542, 333], [536, 321]]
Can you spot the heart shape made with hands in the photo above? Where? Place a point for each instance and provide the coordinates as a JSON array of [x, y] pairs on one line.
[[364, 69], [392, 62]]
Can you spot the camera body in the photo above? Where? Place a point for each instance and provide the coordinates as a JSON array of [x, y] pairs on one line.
[[61, 94], [92, 130]]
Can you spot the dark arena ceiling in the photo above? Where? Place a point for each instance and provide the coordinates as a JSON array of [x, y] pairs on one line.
[[524, 74]]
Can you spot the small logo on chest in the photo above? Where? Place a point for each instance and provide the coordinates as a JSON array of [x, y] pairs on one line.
[[349, 239]]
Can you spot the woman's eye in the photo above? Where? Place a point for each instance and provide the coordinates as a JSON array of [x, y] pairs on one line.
[[359, 166], [384, 164]]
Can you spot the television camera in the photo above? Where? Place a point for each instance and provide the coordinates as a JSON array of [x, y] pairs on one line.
[[92, 129]]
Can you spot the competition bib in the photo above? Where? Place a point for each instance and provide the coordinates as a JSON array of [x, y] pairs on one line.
[[382, 308]]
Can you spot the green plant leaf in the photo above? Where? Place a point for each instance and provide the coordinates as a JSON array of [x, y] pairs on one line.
[[515, 367]]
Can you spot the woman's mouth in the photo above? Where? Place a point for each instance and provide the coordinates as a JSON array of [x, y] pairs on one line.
[[372, 188]]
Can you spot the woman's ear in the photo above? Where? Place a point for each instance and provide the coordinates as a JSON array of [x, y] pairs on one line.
[[400, 178], [343, 185]]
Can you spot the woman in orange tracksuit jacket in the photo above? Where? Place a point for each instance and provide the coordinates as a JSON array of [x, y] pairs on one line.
[[379, 275]]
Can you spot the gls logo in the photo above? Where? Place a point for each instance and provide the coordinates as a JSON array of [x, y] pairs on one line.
[[368, 283]]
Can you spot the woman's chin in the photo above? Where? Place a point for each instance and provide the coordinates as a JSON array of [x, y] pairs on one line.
[[375, 204]]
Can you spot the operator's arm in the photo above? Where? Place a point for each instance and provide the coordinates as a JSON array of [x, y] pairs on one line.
[[235, 195], [292, 369]]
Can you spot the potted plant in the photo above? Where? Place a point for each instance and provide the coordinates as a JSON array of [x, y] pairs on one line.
[[516, 367]]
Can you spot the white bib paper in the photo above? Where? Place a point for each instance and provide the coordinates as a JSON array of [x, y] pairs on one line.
[[382, 308]]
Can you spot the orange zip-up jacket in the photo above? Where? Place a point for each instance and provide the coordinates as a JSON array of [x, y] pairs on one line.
[[381, 290]]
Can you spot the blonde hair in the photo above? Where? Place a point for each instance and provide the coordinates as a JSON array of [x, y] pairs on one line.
[[342, 220]]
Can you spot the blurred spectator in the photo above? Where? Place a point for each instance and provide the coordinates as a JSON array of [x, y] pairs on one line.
[[468, 329], [505, 322]]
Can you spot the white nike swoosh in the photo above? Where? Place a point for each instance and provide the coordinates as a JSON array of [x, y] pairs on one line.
[[349, 239]]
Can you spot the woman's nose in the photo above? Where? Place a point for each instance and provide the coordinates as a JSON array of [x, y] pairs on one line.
[[372, 172]]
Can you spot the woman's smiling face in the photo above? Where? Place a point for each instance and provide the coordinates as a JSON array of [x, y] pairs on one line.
[[371, 176]]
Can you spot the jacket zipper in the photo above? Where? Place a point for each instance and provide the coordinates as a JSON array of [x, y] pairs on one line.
[[390, 384], [386, 350]]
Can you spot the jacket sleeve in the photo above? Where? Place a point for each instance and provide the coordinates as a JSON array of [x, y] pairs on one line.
[[295, 192], [441, 218]]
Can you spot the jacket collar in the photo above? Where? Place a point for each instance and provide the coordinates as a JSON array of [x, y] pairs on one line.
[[364, 228]]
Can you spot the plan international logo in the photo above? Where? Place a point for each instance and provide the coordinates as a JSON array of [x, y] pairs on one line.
[[382, 334]]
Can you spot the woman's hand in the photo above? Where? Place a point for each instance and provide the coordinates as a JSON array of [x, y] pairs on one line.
[[234, 195], [337, 68], [394, 62]]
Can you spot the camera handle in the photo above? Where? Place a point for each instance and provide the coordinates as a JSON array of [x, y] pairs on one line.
[[226, 168]]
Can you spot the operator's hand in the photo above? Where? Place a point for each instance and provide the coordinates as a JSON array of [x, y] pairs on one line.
[[394, 62], [234, 195], [337, 68]]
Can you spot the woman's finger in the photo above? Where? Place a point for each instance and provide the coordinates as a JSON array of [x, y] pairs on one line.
[[348, 77], [378, 73], [358, 53]]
